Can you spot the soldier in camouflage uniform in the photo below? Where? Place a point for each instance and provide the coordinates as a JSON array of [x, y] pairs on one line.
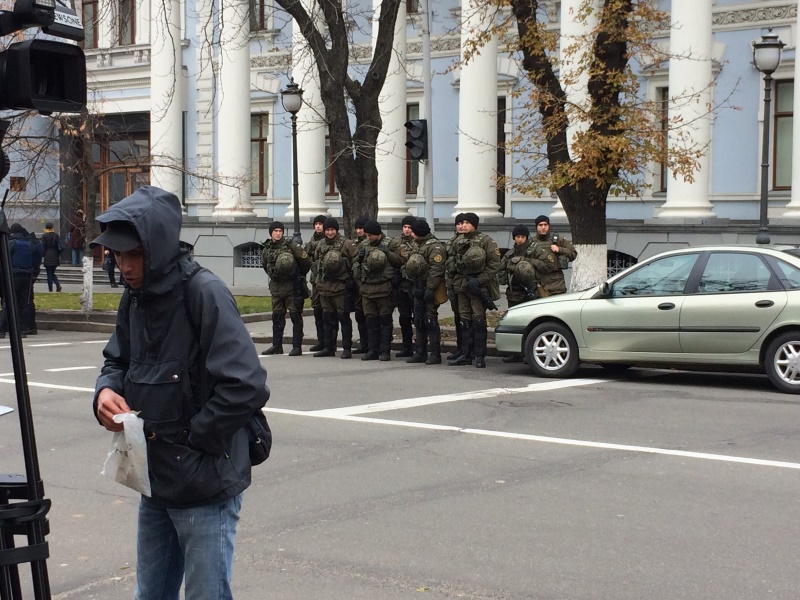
[[374, 267], [361, 321], [564, 251], [316, 305], [427, 266], [336, 288], [477, 261], [402, 290], [450, 272], [286, 264], [521, 268]]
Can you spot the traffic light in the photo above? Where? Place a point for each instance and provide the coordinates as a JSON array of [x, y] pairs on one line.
[[417, 139]]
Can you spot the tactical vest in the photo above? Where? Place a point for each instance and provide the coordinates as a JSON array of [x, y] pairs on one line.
[[270, 253], [324, 247], [460, 248]]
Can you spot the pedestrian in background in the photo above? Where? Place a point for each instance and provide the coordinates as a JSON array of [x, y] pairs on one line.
[[26, 260], [111, 269], [553, 282], [51, 256], [182, 357], [77, 238]]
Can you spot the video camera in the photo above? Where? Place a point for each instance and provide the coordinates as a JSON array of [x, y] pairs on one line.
[[43, 75]]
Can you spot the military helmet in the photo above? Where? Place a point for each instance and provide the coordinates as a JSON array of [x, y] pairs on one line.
[[333, 263], [416, 267], [376, 261], [475, 259], [284, 265], [525, 274]]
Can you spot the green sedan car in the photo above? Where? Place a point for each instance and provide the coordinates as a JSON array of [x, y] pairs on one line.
[[713, 307]]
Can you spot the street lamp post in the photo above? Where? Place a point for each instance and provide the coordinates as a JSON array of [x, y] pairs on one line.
[[766, 58], [292, 100]]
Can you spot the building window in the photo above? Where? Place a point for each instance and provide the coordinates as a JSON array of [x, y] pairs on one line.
[[259, 154], [330, 189], [90, 28], [663, 116], [412, 166], [258, 15], [126, 26], [17, 184], [782, 125], [251, 256], [412, 6]]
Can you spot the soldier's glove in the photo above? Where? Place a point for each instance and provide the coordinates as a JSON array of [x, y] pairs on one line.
[[474, 287], [515, 260], [428, 295], [451, 294]]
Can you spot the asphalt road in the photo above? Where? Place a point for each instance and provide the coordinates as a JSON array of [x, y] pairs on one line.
[[392, 481]]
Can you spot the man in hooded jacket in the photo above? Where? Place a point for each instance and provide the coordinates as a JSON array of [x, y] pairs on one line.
[[188, 365]]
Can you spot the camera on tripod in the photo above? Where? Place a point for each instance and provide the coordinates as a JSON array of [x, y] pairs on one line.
[[44, 75]]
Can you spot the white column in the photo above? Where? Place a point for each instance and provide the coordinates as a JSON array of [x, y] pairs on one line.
[[690, 78], [166, 98], [312, 163], [390, 157], [572, 46], [793, 208], [477, 118], [233, 116]]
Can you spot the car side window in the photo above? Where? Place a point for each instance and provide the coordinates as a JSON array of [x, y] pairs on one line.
[[789, 274], [727, 272], [663, 277]]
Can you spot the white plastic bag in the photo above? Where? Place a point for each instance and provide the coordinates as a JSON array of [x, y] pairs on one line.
[[126, 462]]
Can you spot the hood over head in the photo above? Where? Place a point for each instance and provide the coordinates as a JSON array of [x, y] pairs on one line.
[[155, 214]]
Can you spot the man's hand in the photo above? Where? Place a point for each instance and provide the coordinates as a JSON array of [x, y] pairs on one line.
[[554, 248], [110, 403]]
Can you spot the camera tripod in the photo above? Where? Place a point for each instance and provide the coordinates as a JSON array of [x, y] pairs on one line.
[[28, 516]]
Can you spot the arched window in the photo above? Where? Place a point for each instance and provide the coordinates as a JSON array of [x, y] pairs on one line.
[[619, 261], [247, 256]]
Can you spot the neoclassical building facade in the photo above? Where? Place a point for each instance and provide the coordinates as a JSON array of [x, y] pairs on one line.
[[204, 93]]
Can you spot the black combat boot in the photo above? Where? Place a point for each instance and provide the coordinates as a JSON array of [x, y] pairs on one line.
[[373, 338], [278, 323], [434, 342], [407, 331], [320, 334], [386, 337], [328, 338], [457, 352], [466, 342], [479, 335], [363, 335], [347, 334], [297, 333], [421, 349]]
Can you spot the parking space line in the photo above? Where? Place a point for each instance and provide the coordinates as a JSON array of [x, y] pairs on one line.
[[427, 400], [48, 345], [52, 386], [71, 369]]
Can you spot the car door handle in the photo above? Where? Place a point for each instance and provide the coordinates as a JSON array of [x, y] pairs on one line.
[[666, 306], [764, 303]]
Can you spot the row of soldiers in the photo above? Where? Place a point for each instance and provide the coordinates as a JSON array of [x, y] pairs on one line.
[[372, 274]]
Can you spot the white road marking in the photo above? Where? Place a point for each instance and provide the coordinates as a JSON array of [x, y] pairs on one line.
[[94, 342], [52, 386], [426, 400], [48, 345], [10, 374], [545, 439], [71, 369]]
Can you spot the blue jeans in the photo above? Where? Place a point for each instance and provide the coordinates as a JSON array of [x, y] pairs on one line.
[[196, 541], [77, 257], [52, 278]]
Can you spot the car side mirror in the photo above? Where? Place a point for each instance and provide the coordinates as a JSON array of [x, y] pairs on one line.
[[605, 288]]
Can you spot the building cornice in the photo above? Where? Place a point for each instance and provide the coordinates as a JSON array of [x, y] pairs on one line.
[[745, 16]]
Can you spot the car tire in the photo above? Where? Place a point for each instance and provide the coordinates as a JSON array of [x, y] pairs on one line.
[[782, 362], [551, 350]]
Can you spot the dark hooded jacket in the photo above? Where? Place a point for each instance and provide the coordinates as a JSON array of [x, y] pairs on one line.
[[194, 397]]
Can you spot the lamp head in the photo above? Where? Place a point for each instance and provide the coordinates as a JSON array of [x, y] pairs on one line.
[[767, 53], [292, 97]]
